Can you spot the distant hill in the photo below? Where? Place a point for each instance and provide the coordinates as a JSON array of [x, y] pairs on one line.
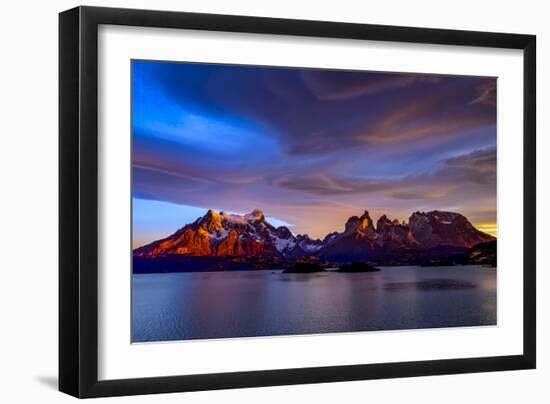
[[483, 254]]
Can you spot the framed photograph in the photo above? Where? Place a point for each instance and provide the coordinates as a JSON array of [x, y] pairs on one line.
[[251, 201]]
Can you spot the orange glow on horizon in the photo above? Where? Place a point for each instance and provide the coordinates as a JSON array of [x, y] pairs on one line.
[[488, 227]]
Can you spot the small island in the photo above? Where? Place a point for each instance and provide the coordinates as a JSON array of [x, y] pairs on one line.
[[357, 267], [439, 262], [301, 267]]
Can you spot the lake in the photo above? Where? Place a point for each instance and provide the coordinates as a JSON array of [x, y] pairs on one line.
[[185, 306]]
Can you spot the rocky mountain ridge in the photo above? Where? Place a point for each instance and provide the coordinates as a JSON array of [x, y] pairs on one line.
[[220, 234]]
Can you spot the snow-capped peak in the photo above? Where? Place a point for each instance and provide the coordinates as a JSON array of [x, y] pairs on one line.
[[255, 215], [232, 218]]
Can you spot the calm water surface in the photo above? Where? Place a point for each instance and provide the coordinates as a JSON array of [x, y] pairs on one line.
[[186, 306]]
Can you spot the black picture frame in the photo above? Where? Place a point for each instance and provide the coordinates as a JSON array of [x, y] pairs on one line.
[[78, 201]]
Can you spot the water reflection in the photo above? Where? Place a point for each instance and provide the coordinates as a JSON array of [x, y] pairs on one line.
[[245, 304], [431, 284]]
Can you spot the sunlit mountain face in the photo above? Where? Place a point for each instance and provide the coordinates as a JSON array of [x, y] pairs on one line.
[[311, 148], [221, 234]]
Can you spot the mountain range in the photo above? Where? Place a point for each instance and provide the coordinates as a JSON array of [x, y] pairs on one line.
[[426, 236]]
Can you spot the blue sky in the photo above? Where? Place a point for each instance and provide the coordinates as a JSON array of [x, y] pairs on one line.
[[308, 147]]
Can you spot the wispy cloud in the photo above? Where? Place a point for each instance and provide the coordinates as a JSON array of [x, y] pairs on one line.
[[341, 85], [313, 147]]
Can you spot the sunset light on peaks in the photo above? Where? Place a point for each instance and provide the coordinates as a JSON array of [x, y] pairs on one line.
[[308, 147], [291, 201]]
